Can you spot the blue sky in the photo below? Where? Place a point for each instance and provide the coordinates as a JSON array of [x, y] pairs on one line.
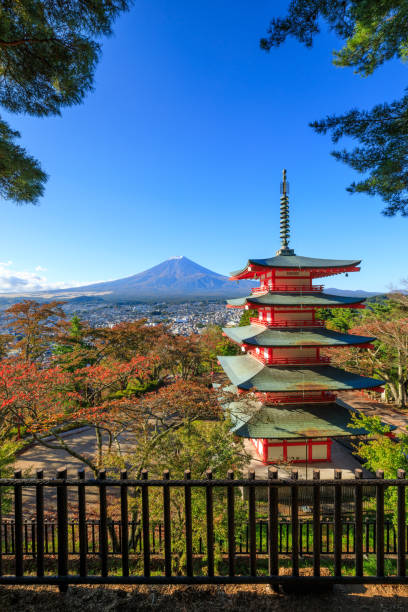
[[180, 148]]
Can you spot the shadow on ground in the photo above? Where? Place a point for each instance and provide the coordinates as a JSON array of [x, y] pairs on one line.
[[197, 599]]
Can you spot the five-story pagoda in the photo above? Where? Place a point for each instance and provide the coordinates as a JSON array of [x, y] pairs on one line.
[[297, 412]]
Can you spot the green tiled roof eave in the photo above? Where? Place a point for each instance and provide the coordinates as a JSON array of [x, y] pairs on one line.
[[290, 299], [297, 261], [237, 301], [286, 422], [247, 373], [257, 335]]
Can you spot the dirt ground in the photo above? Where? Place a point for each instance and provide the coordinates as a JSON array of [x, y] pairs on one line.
[[186, 599]]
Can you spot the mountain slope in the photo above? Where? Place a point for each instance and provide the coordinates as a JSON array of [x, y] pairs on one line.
[[176, 277], [352, 293]]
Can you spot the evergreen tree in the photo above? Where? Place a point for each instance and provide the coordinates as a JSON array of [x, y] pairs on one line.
[[245, 317], [48, 54], [374, 31]]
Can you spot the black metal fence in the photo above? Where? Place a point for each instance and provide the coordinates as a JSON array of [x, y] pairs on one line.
[[270, 551], [242, 543]]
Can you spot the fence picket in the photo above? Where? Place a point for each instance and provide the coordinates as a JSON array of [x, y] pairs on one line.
[[295, 523], [167, 524], [338, 527], [18, 525], [231, 525], [39, 502], [62, 522], [401, 525], [124, 531], [252, 524], [103, 524], [316, 524], [82, 527], [146, 527], [210, 526], [358, 532], [380, 524], [273, 544], [188, 525]]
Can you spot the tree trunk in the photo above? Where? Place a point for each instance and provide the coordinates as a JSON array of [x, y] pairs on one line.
[[401, 384], [99, 442]]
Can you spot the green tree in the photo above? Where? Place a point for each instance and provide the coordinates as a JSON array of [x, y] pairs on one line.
[[8, 449], [381, 452], [245, 317], [196, 446], [374, 32], [48, 54], [339, 319], [74, 348], [214, 344]]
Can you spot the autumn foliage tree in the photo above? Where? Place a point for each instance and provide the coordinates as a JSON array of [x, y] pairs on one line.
[[44, 399], [35, 326], [388, 360], [131, 383]]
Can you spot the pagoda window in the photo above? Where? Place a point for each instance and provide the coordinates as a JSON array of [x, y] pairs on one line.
[[275, 453], [297, 452]]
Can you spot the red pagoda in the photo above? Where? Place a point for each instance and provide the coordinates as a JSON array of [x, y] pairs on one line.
[[297, 411]]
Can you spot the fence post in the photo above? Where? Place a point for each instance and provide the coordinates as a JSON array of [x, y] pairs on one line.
[[273, 562], [62, 520], [231, 525], [82, 528], [39, 502], [1, 534], [18, 525], [338, 527], [189, 526], [167, 524], [252, 524], [316, 523], [401, 524], [125, 524], [210, 526], [103, 524], [295, 523], [146, 526], [358, 528], [380, 525]]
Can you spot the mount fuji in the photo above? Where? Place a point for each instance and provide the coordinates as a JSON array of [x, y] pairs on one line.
[[177, 278]]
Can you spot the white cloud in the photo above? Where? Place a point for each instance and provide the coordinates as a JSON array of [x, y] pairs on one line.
[[16, 281]]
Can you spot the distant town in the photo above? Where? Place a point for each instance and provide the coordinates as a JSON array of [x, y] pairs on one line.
[[183, 318]]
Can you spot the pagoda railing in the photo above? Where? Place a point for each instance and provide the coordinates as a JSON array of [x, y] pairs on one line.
[[297, 323], [289, 288], [289, 360], [296, 398]]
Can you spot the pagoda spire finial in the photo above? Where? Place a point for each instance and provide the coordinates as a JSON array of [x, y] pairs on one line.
[[284, 218]]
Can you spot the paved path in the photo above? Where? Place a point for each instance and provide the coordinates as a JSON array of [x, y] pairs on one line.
[[389, 414], [39, 457]]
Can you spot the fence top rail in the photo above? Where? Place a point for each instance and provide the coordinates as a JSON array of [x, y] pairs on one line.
[[275, 482]]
